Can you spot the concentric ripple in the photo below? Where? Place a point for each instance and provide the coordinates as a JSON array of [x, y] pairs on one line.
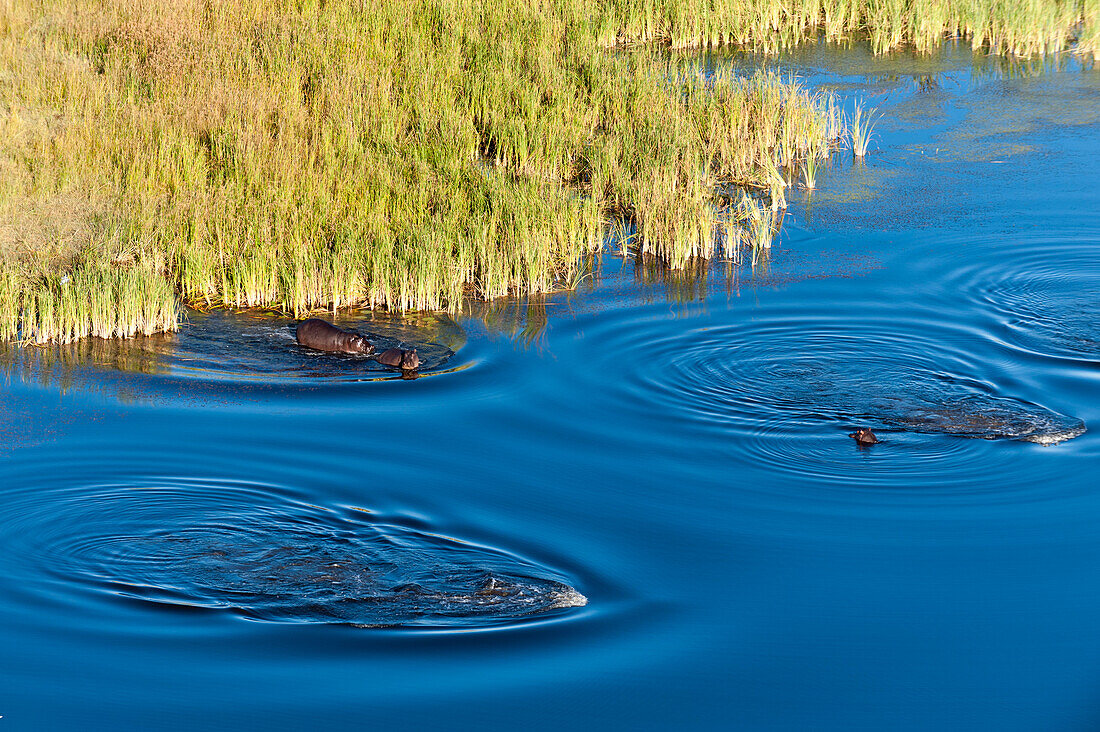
[[797, 374], [243, 548], [785, 388], [1047, 297]]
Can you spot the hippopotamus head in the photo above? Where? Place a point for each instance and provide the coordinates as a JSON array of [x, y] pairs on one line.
[[864, 436], [399, 359], [358, 344]]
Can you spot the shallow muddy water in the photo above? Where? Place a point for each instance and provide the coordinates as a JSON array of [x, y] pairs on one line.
[[631, 506]]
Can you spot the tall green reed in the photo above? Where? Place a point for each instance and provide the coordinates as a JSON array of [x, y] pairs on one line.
[[861, 127], [330, 155]]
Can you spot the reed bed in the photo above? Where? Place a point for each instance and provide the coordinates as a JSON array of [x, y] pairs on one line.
[[326, 155], [1021, 27], [95, 302]]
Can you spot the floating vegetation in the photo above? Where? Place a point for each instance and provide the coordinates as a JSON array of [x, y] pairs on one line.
[[312, 156]]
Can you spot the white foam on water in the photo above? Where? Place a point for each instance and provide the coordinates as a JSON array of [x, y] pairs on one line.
[[1046, 439], [568, 598]]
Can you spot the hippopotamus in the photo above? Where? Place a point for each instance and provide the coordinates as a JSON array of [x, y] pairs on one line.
[[399, 359], [323, 336], [863, 437]]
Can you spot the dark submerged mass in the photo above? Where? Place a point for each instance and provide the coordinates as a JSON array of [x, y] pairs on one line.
[[324, 336], [773, 373], [990, 419], [314, 573]]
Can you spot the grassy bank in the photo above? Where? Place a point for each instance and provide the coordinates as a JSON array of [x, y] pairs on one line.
[[311, 154]]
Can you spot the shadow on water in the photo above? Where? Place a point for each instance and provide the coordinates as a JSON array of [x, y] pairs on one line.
[[524, 320]]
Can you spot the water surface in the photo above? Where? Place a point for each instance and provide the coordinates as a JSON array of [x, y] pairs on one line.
[[218, 530]]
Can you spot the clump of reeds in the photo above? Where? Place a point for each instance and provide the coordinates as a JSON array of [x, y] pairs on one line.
[[860, 129], [732, 237], [809, 172], [11, 299], [106, 303], [1001, 26], [759, 223], [1088, 41]]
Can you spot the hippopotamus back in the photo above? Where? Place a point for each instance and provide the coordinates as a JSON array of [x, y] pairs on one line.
[[324, 336]]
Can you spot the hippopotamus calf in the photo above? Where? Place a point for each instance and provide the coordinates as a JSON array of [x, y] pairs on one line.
[[323, 336], [864, 436], [398, 359]]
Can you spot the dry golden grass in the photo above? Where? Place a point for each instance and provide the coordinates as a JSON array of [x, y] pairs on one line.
[[347, 153]]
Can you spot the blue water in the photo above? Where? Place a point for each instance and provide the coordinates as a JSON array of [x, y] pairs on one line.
[[630, 506]]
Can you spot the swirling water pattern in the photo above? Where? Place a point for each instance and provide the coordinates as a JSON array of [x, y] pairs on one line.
[[236, 546], [797, 370], [184, 547]]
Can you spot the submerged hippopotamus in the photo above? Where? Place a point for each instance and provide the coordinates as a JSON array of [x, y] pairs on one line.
[[324, 336], [399, 359], [864, 437]]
